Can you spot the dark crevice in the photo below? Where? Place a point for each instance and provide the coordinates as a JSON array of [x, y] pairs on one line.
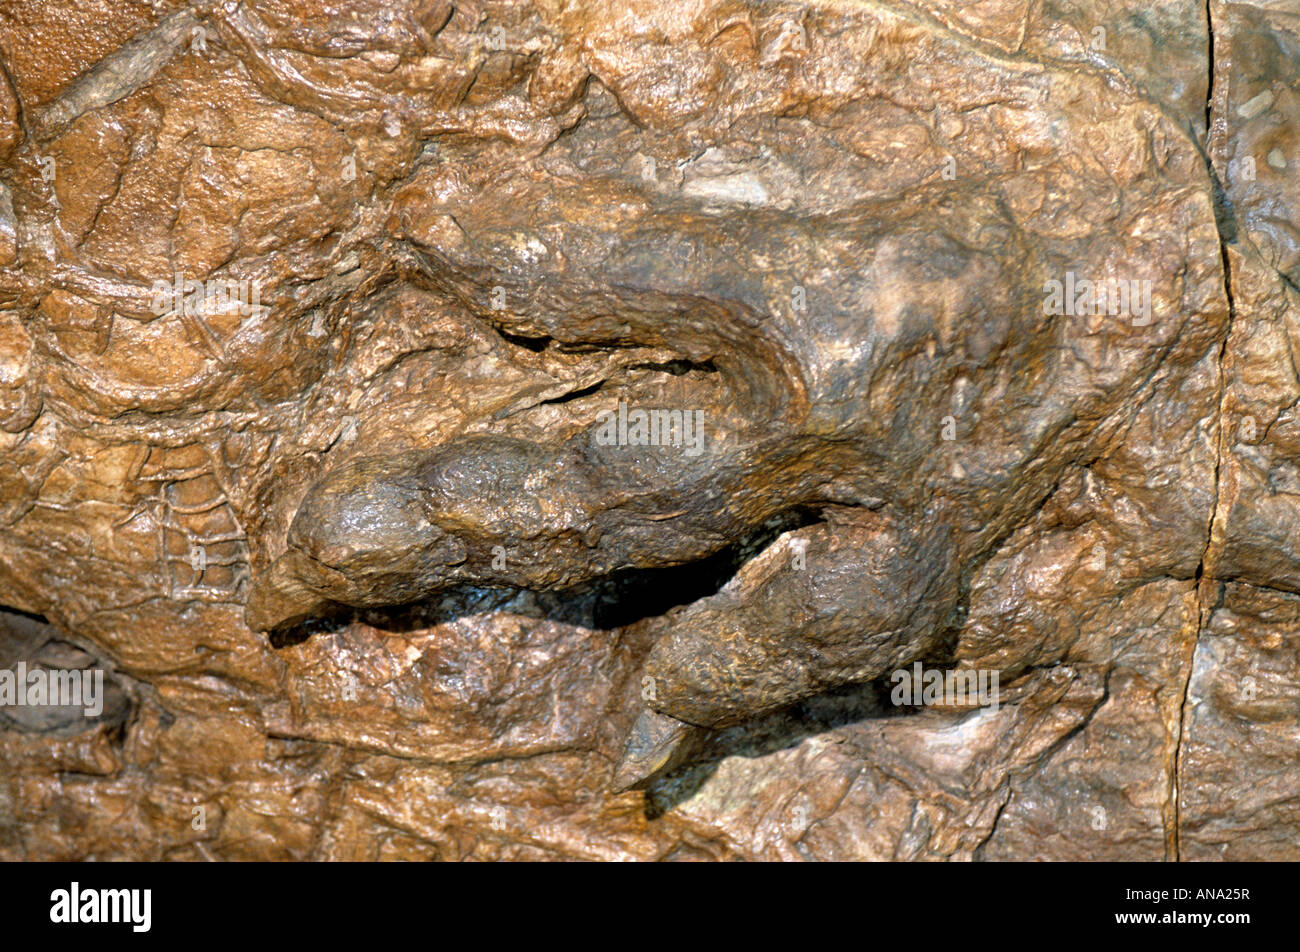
[[1224, 211], [1225, 221], [289, 635], [781, 730], [613, 601], [679, 367], [1209, 84], [535, 344], [574, 394], [597, 346], [675, 367], [9, 613], [636, 594]]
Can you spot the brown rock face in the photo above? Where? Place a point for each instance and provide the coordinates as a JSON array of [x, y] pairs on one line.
[[639, 430]]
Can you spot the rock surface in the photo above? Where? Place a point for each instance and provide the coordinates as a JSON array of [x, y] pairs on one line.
[[539, 430]]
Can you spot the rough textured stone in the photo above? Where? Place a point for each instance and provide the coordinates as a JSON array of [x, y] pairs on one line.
[[360, 543]]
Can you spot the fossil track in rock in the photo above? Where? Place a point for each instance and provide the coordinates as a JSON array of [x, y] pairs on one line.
[[543, 430]]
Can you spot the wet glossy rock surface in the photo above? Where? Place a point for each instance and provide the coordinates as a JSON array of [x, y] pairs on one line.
[[371, 568]]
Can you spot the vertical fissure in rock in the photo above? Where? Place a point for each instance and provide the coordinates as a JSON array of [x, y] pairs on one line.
[[1204, 609]]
